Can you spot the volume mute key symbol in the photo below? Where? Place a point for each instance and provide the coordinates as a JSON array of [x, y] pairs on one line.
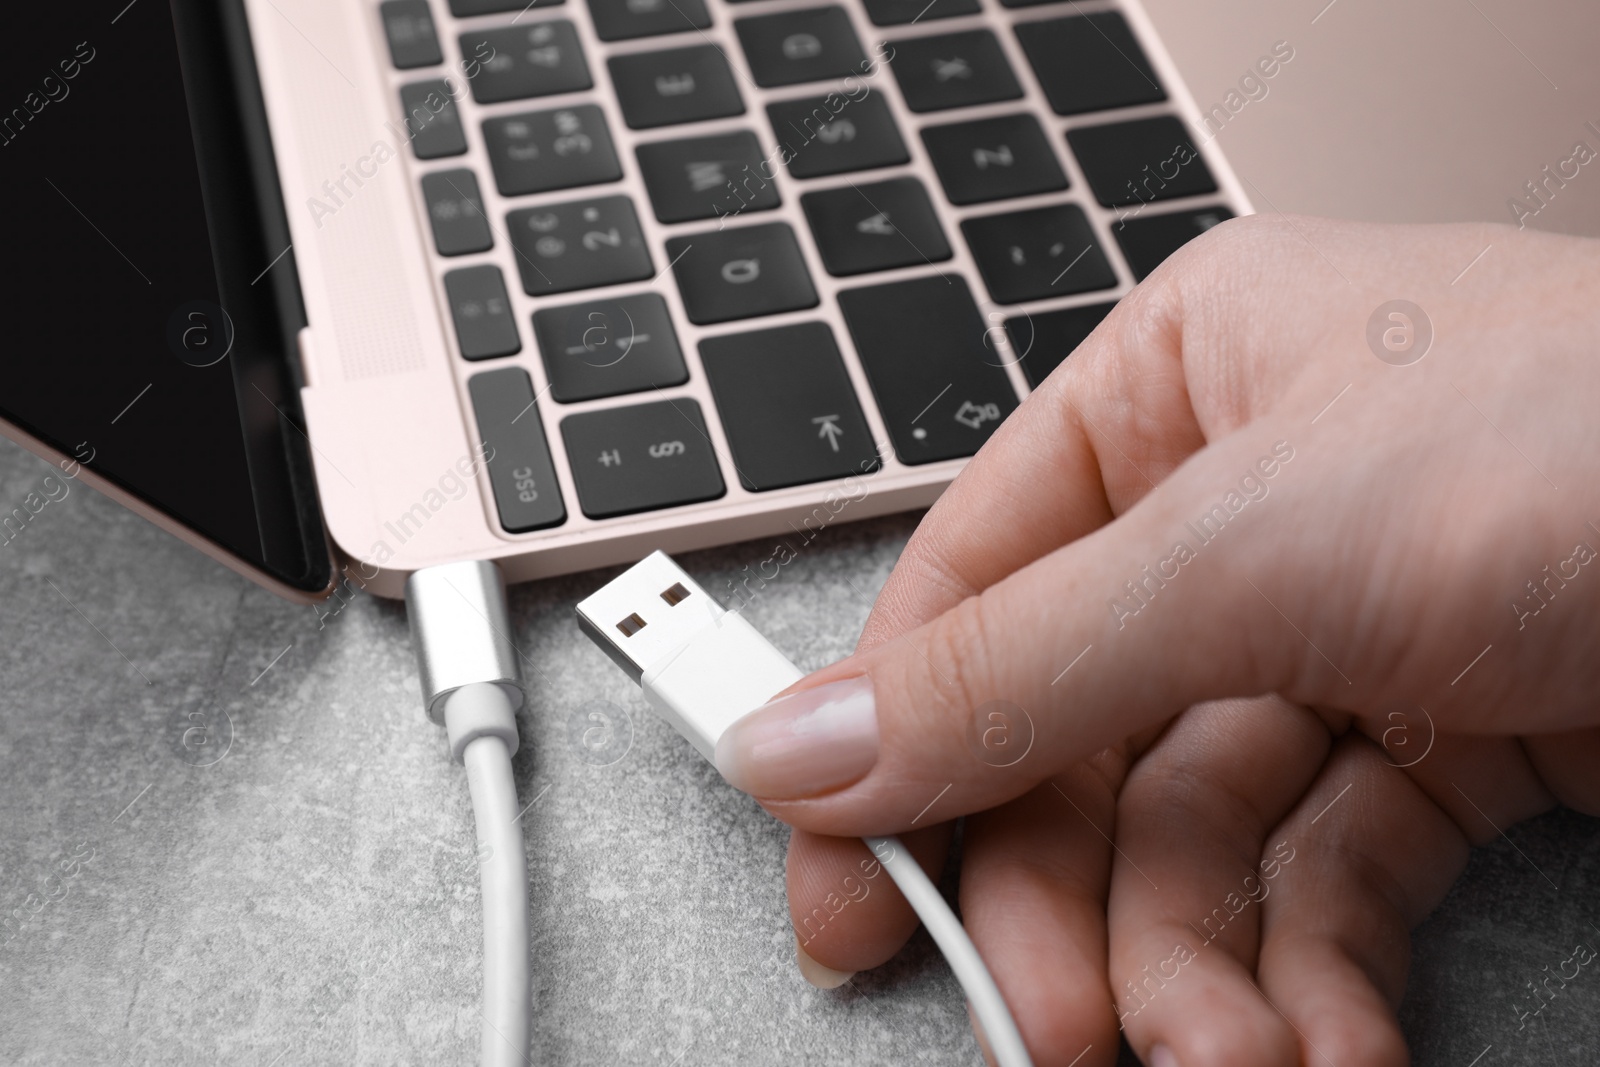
[[828, 426]]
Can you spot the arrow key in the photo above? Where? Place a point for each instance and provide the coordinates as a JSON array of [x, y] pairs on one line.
[[880, 226]]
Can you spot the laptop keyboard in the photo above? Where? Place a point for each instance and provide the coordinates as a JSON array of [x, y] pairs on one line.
[[793, 257]]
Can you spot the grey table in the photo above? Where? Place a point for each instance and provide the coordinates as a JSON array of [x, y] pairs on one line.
[[301, 887], [304, 890]]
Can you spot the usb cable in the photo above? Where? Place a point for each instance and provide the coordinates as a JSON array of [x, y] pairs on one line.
[[701, 667], [471, 687]]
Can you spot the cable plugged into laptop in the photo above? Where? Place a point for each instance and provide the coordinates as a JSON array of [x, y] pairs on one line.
[[471, 686], [702, 667]]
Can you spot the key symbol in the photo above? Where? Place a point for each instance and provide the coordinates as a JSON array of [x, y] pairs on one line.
[[801, 46], [611, 457], [984, 158], [947, 69], [595, 239], [675, 85], [876, 224], [567, 144], [667, 448], [703, 176], [973, 415], [836, 132], [828, 428], [741, 271]]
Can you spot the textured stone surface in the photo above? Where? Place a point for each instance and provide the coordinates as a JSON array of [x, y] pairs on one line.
[[311, 896]]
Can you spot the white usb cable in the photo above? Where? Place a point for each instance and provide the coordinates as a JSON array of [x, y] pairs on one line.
[[702, 667], [471, 687]]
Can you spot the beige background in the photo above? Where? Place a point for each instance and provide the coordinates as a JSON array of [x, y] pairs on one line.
[[1402, 110]]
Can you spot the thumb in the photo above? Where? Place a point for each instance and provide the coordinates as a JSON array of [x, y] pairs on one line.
[[1115, 632]]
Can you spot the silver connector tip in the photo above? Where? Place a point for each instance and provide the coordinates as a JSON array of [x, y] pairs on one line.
[[461, 631]]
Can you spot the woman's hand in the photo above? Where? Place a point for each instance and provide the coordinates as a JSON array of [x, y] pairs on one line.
[[1244, 482]]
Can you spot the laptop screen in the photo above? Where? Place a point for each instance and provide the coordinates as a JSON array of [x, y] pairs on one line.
[[150, 298]]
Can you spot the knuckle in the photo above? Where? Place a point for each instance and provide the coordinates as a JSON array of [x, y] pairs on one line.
[[961, 667], [928, 575]]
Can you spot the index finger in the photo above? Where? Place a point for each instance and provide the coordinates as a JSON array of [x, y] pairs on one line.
[[1070, 435]]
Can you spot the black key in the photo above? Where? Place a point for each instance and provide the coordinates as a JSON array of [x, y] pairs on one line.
[[1030, 255], [618, 20], [679, 85], [485, 327], [539, 59], [408, 25], [933, 370], [578, 245], [543, 150], [608, 347], [1089, 63], [432, 121], [993, 159], [466, 8], [953, 70], [455, 209], [787, 406], [641, 458], [875, 227], [740, 273], [900, 12], [1137, 162], [801, 46], [526, 493], [1042, 341], [1148, 240], [836, 133], [708, 177]]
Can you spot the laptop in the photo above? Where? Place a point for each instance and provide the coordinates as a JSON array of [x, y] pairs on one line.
[[336, 291]]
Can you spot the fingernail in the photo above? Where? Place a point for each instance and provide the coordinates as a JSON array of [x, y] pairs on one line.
[[803, 744], [819, 975], [1161, 1056]]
